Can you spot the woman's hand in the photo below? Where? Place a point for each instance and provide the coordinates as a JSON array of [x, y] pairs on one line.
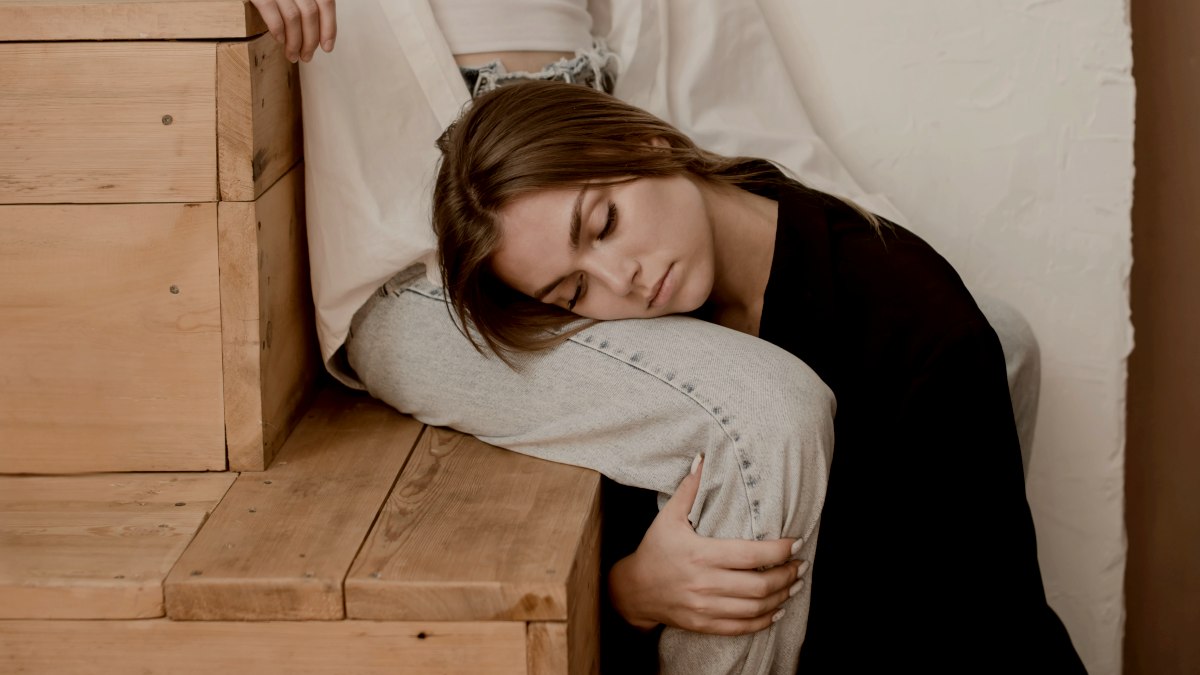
[[300, 25], [719, 586]]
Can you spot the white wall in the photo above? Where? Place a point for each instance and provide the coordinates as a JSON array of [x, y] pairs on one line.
[[1003, 130]]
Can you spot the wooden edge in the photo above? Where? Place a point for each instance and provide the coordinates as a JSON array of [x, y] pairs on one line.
[[384, 598], [546, 648], [235, 122], [290, 362], [165, 647], [242, 338], [583, 596], [64, 600], [30, 20], [269, 344], [259, 133]]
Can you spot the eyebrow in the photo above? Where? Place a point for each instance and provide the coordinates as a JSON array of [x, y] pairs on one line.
[[576, 228]]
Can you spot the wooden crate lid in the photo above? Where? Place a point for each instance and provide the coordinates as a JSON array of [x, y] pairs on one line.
[[22, 20]]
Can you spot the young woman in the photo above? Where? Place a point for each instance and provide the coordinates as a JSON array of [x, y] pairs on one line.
[[554, 203], [737, 399]]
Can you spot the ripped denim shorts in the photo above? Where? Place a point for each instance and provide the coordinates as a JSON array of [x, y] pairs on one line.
[[595, 67]]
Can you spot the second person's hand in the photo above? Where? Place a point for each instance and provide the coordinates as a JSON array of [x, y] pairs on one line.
[[300, 25], [719, 586]]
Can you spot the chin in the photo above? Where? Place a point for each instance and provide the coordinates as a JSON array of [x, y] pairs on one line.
[[692, 297], [687, 306]]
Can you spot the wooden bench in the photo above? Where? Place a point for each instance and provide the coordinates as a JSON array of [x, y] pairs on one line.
[[176, 496], [372, 544]]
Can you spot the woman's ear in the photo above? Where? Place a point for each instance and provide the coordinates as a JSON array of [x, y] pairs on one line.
[[659, 142]]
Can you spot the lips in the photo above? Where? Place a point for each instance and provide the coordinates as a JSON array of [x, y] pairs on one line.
[[662, 289]]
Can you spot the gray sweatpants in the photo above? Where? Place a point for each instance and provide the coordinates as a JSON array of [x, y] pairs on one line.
[[636, 400]]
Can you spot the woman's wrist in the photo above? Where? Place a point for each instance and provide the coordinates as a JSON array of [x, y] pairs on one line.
[[622, 582]]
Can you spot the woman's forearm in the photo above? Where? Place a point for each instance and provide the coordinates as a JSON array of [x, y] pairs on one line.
[[720, 586]]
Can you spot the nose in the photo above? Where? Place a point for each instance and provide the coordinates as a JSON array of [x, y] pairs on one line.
[[618, 272]]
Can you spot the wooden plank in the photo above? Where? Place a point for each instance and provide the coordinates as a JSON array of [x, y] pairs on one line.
[[127, 19], [268, 338], [546, 648], [110, 351], [259, 135], [583, 601], [472, 532], [557, 648], [280, 543], [164, 647], [107, 122], [96, 546]]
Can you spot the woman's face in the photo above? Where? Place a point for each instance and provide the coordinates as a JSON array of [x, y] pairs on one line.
[[637, 249]]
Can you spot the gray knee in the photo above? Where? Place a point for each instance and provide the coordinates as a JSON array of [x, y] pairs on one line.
[[1023, 361]]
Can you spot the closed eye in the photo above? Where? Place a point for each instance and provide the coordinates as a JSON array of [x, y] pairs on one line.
[[578, 294], [610, 223]]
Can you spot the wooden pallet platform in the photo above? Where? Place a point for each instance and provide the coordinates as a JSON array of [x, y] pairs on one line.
[[372, 537]]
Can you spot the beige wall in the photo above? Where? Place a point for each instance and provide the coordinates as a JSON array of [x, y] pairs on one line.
[[1162, 635]]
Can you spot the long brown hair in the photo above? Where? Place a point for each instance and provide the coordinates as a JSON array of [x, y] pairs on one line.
[[534, 136]]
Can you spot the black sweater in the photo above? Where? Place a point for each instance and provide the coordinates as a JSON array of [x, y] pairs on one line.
[[926, 555], [926, 558]]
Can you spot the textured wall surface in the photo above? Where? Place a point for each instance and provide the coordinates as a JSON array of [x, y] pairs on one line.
[[1003, 129]]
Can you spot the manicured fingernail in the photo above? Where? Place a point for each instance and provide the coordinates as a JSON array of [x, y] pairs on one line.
[[802, 568], [795, 588], [796, 546], [327, 46], [778, 615], [696, 463]]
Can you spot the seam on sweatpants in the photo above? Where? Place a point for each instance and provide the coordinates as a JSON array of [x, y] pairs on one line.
[[639, 361]]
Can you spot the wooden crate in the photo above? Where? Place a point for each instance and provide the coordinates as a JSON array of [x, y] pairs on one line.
[[153, 264]]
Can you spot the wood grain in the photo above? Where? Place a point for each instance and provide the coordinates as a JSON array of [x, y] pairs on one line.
[[472, 532], [546, 648], [557, 648], [164, 647], [96, 546], [268, 340], [127, 19], [583, 601], [105, 367], [86, 122], [259, 135], [280, 543]]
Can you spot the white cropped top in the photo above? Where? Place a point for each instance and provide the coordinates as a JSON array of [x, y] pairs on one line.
[[474, 26]]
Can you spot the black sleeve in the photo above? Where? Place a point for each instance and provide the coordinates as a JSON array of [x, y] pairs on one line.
[[626, 514], [971, 520]]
